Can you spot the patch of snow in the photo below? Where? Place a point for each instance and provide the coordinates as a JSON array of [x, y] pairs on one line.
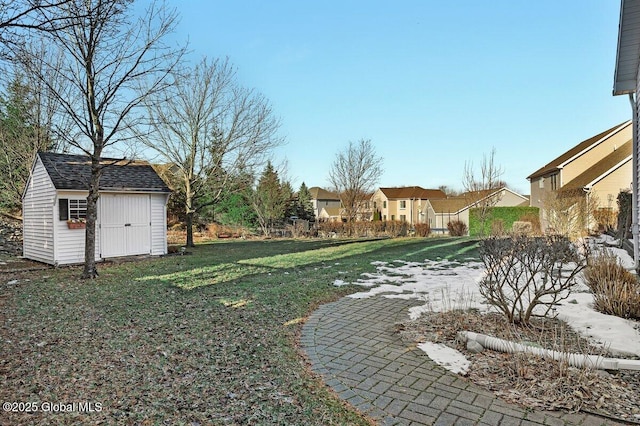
[[444, 285], [340, 283], [447, 357]]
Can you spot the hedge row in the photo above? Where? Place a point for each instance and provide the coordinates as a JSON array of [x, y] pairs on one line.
[[501, 217]]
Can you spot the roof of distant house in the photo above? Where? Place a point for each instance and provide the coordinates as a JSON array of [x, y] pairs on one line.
[[449, 205], [318, 193], [74, 172], [585, 145], [622, 155], [413, 192], [331, 211], [469, 199]]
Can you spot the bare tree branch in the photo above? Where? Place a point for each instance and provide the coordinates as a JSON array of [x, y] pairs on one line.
[[354, 174], [211, 130]]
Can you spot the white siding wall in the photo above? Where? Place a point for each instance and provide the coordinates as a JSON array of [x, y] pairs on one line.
[[637, 131], [70, 242], [159, 224], [37, 213]]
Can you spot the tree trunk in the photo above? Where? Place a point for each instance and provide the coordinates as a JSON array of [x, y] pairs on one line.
[[189, 226], [90, 270]]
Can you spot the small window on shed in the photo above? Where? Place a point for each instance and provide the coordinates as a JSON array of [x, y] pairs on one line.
[[63, 206], [77, 209], [72, 209]]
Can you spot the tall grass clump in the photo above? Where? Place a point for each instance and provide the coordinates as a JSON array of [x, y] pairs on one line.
[[616, 291]]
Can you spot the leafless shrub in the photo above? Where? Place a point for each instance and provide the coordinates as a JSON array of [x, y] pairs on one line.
[[605, 218], [457, 228], [524, 273], [497, 228], [616, 291], [534, 220], [522, 228], [422, 229]]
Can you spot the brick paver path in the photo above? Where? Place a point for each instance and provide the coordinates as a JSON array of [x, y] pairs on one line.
[[352, 344]]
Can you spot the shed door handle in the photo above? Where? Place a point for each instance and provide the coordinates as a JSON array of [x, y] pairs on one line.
[[127, 224]]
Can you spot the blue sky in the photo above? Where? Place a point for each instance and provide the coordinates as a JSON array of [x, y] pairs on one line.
[[433, 84]]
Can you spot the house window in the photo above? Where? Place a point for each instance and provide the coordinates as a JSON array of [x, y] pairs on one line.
[[403, 204], [554, 182], [375, 204], [403, 218], [384, 217], [393, 217], [541, 183], [72, 208], [384, 204]]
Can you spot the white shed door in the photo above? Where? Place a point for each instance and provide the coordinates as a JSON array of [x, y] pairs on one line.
[[125, 225]]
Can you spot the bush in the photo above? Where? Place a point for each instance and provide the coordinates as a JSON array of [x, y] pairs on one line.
[[534, 220], [524, 273], [522, 228], [457, 228], [606, 219], [616, 291], [422, 229], [497, 228]]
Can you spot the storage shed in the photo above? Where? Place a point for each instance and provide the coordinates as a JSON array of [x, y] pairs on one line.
[[132, 209]]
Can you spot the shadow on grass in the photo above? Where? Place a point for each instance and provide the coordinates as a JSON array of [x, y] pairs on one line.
[[298, 254]]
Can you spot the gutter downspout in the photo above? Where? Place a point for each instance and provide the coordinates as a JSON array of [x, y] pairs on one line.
[[634, 183]]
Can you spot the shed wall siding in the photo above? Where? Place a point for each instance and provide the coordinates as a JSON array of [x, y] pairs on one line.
[[37, 212], [70, 242], [158, 224]]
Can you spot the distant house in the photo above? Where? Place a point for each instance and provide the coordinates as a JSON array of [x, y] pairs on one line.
[[323, 199], [599, 167], [330, 214], [407, 204], [132, 213], [443, 211]]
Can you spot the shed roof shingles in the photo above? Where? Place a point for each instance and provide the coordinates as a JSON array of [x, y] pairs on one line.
[[74, 171]]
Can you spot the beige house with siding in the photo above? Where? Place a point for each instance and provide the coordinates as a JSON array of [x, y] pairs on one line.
[[407, 204], [599, 167], [327, 200]]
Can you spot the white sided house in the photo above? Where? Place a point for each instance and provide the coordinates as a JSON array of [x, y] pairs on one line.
[[132, 210]]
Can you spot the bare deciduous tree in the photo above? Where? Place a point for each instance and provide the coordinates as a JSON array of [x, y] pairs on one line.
[[18, 17], [210, 129], [111, 62], [354, 174], [569, 212], [478, 188]]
